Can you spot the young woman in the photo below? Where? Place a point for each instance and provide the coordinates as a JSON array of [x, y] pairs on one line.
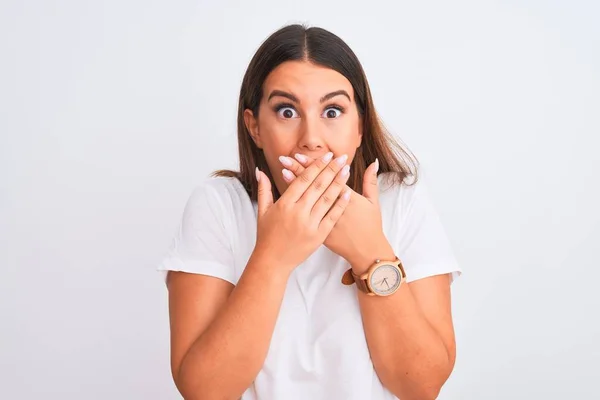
[[316, 271]]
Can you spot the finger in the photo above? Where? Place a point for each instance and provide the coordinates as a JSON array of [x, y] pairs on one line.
[[265, 195], [302, 159], [335, 213], [327, 199], [292, 170], [297, 188], [292, 165], [321, 182], [288, 176], [371, 183]]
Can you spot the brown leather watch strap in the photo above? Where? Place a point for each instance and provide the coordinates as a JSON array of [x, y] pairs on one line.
[[350, 277], [361, 284], [347, 278]]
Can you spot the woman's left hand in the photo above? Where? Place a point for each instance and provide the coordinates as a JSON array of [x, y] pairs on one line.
[[358, 234]]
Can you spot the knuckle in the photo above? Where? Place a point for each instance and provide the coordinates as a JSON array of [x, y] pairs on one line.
[[341, 206], [285, 205], [331, 167], [319, 184], [320, 163], [305, 178], [326, 223], [331, 218], [337, 185], [313, 227]]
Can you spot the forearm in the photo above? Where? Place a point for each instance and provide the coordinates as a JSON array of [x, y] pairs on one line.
[[226, 358], [408, 354]]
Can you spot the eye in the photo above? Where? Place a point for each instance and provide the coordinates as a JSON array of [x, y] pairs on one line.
[[333, 112], [286, 111]]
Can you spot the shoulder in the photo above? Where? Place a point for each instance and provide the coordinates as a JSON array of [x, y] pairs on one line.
[[220, 186], [219, 189], [221, 198], [400, 195]]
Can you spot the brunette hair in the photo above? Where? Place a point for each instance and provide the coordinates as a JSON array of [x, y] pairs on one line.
[[320, 47]]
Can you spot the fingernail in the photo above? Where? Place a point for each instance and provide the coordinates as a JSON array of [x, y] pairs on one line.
[[285, 161], [345, 171], [376, 165], [301, 158], [257, 174], [287, 175], [346, 194], [327, 157], [342, 160]]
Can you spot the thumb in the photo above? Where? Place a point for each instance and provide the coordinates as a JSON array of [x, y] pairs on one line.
[[370, 182], [265, 195]]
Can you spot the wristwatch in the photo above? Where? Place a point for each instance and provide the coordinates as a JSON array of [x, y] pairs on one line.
[[383, 278]]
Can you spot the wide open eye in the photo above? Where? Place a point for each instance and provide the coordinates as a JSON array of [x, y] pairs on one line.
[[286, 111], [332, 112]]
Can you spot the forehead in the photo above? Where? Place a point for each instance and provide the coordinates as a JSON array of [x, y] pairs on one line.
[[305, 79]]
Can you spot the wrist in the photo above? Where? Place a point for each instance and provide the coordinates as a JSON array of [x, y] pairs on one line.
[[380, 250], [268, 263]]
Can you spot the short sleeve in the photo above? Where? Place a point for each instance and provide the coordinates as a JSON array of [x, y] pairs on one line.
[[201, 244], [422, 243]]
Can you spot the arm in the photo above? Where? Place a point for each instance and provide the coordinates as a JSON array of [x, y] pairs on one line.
[[220, 334], [410, 333], [220, 343]]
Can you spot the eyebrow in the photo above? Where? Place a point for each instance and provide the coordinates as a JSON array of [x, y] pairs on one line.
[[333, 94], [293, 98]]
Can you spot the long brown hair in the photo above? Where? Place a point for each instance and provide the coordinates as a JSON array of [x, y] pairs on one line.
[[320, 47]]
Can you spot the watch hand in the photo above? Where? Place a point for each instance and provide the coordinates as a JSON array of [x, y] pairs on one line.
[[385, 280]]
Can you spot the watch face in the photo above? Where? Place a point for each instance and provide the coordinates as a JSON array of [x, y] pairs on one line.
[[385, 280]]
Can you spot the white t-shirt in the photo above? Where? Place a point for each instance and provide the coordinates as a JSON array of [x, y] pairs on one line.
[[318, 349]]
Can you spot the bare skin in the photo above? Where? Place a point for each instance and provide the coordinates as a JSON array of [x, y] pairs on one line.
[[220, 335], [410, 334]]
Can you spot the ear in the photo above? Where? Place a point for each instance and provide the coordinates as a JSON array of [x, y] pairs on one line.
[[252, 126], [360, 132]]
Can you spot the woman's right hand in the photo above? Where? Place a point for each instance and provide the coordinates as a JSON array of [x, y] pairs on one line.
[[293, 227]]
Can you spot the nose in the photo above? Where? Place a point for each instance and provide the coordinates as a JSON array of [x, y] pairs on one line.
[[311, 138]]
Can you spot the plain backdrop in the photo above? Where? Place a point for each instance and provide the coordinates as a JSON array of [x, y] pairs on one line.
[[111, 112]]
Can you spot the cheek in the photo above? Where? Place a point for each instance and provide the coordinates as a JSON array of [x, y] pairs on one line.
[[344, 137], [275, 143], [276, 137]]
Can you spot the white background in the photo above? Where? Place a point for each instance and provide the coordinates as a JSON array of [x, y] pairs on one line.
[[112, 111]]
